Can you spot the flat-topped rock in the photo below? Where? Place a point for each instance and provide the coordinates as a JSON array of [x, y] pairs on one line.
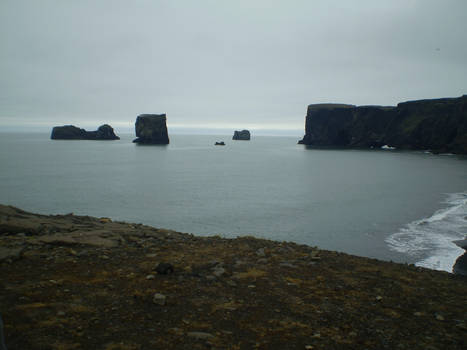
[[151, 129], [71, 132], [241, 135]]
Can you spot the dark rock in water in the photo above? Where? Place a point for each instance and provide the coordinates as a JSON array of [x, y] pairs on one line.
[[462, 243], [222, 143], [460, 266], [70, 132], [439, 125], [241, 135], [164, 268], [151, 129]]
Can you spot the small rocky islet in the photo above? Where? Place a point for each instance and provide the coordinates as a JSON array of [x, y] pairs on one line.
[[243, 135], [80, 282], [71, 132]]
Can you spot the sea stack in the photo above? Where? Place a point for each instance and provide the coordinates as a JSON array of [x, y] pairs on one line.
[[151, 129], [71, 132], [438, 125], [241, 135]]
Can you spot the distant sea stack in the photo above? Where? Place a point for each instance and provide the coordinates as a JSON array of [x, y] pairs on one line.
[[70, 132], [439, 125], [151, 129], [241, 135]]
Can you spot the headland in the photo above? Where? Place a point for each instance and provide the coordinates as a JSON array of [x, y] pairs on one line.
[[437, 125]]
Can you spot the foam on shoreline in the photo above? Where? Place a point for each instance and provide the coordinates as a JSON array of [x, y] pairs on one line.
[[430, 240]]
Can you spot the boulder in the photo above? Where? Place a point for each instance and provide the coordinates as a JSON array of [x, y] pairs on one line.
[[71, 132], [151, 129], [241, 135], [164, 268]]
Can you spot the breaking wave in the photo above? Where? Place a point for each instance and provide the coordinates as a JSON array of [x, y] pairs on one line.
[[429, 241]]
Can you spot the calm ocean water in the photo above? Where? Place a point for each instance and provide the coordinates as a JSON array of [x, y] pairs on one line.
[[401, 206]]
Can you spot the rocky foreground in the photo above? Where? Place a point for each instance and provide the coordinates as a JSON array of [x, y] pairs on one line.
[[79, 282]]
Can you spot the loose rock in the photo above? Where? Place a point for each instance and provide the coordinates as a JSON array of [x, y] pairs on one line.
[[159, 299], [164, 268], [200, 335], [10, 253], [218, 271], [260, 252]]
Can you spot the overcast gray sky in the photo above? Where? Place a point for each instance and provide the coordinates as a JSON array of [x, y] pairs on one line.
[[227, 64]]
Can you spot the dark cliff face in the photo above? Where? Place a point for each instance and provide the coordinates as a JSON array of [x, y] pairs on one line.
[[70, 132], [439, 125], [241, 135], [151, 129]]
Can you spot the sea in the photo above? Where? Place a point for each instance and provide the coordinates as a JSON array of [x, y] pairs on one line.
[[401, 206]]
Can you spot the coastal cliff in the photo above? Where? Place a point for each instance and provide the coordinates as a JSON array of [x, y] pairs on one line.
[[439, 125], [71, 132]]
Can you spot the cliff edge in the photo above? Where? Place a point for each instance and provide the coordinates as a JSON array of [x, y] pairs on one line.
[[439, 125]]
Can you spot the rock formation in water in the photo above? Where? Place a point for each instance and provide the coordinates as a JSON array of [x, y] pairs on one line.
[[70, 132], [460, 266], [151, 129], [439, 125], [241, 135]]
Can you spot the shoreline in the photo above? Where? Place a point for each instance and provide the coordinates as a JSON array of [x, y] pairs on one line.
[[398, 241], [72, 282], [437, 232]]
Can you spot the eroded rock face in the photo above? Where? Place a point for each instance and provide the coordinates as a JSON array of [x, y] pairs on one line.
[[71, 132], [241, 135], [151, 129], [439, 125]]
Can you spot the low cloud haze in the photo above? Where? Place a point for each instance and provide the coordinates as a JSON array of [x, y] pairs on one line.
[[222, 64]]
